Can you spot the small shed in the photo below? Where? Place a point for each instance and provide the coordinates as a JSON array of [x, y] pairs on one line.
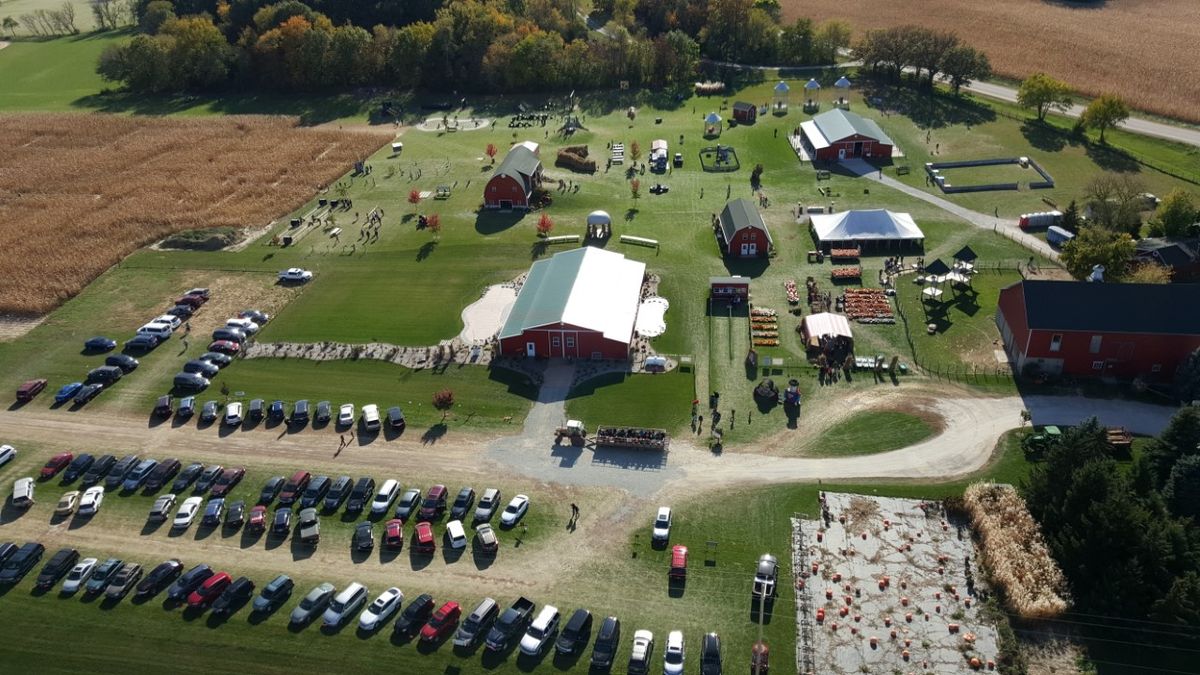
[[746, 113], [712, 125], [825, 325], [843, 89], [732, 289], [782, 96], [812, 89]]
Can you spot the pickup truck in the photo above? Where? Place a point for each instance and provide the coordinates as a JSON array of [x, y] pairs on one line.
[[310, 527], [765, 576], [511, 625]]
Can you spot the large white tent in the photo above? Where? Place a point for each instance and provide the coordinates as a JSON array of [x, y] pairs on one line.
[[875, 226], [822, 324]]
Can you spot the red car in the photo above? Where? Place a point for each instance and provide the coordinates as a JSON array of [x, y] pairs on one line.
[[393, 534], [678, 564], [227, 480], [57, 463], [443, 622], [425, 542], [210, 590], [193, 301], [294, 487], [257, 522], [28, 390], [228, 347], [434, 504]]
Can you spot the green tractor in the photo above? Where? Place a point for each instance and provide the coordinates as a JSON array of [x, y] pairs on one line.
[[1036, 444]]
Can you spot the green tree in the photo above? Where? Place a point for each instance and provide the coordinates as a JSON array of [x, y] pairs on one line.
[[10, 24], [1147, 273], [406, 63], [929, 49], [725, 31], [350, 55], [1070, 219], [143, 64], [1180, 439], [199, 55], [1095, 245], [1115, 200], [1176, 216], [760, 39], [1181, 605], [829, 38], [1182, 490], [796, 43], [771, 7], [1042, 93], [964, 63], [1105, 112], [681, 57], [156, 14], [1187, 378]]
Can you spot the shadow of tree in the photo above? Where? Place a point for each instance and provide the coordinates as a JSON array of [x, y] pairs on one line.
[[1043, 136], [928, 110], [434, 433], [426, 250]]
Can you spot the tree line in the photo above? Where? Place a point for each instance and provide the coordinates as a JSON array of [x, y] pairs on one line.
[[922, 52]]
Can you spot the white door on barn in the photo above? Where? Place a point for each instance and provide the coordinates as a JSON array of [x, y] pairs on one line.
[[751, 249], [746, 249], [841, 153], [530, 349]]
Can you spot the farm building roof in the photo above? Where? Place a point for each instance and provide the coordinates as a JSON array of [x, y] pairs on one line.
[[588, 287], [1170, 252], [874, 225], [521, 162], [734, 280], [740, 214], [838, 124], [1165, 309], [782, 87], [742, 105]]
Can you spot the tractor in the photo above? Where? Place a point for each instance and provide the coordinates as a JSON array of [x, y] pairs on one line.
[[1036, 444]]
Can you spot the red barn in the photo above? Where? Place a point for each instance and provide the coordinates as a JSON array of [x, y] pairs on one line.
[[1118, 331], [741, 232], [746, 113], [839, 134], [513, 182], [577, 304]]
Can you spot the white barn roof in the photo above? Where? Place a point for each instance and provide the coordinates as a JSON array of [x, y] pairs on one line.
[[872, 225], [588, 287]]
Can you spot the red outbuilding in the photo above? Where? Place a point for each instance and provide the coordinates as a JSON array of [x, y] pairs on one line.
[[578, 304], [840, 134], [1117, 331], [741, 231], [746, 113], [513, 182]]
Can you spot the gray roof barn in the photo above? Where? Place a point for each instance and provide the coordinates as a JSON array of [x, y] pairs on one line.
[[740, 214], [838, 124]]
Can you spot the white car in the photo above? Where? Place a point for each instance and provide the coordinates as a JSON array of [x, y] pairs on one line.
[[7, 454], [233, 414], [673, 654], [295, 274], [386, 495], [79, 574], [384, 606], [540, 631], [456, 534], [662, 526], [643, 648], [245, 325], [345, 604], [514, 511], [187, 513], [370, 417], [91, 500], [346, 415], [175, 321]]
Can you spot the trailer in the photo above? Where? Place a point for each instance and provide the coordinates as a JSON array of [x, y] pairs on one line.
[[638, 438], [1057, 236], [1120, 439]]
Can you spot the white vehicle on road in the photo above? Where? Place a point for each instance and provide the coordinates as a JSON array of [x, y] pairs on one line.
[[295, 274]]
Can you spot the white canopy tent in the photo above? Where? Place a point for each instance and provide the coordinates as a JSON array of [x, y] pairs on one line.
[[875, 226], [822, 324]]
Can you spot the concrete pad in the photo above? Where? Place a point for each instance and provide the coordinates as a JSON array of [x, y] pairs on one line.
[[485, 317]]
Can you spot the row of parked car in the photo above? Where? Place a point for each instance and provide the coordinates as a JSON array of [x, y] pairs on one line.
[[234, 413], [202, 587]]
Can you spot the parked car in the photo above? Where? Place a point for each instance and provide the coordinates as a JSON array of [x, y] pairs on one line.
[[370, 417], [208, 477], [56, 464], [395, 418], [203, 293], [488, 503], [643, 651], [90, 501], [423, 541], [345, 605], [208, 414], [281, 522], [125, 362], [294, 487], [257, 520], [313, 604], [87, 392], [67, 392], [477, 624], [214, 510], [162, 575], [117, 474], [187, 407], [216, 358], [254, 412], [7, 454], [234, 597], [434, 504], [165, 471], [514, 511], [30, 389], [346, 415], [323, 414], [105, 375], [274, 594], [184, 312], [259, 317], [56, 568], [271, 489], [765, 576], [138, 474], [456, 534], [98, 470], [541, 631], [315, 492], [442, 624], [679, 559], [190, 382], [408, 503], [486, 536], [99, 344], [414, 616], [229, 335], [608, 640], [227, 347], [339, 491], [295, 274], [308, 526], [710, 655], [209, 591], [364, 536], [193, 301], [275, 411], [673, 654], [78, 467], [22, 495], [187, 476], [245, 325], [201, 367], [141, 343], [384, 498], [299, 416], [228, 479], [361, 495], [186, 513], [189, 581], [463, 503], [235, 514], [102, 575], [161, 510], [378, 612], [660, 532], [79, 575], [393, 534], [125, 580]]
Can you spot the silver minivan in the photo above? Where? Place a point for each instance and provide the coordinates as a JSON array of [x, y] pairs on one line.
[[7, 454], [22, 496], [345, 605]]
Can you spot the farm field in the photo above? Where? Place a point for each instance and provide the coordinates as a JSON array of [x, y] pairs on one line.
[[1075, 42], [86, 201]]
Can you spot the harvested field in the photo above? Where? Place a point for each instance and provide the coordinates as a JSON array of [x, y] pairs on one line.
[[1135, 48], [78, 194]]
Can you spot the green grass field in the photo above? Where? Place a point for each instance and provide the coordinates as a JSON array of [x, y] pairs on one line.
[[981, 175], [873, 432]]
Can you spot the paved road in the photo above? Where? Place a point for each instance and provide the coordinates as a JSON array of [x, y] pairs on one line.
[[980, 220]]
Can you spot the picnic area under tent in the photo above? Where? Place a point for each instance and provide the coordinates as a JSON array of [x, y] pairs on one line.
[[843, 89], [811, 89], [712, 124], [879, 228], [964, 260], [782, 94], [824, 325]]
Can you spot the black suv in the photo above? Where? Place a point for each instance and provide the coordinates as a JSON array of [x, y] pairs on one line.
[[361, 495], [116, 475], [20, 563], [339, 491], [98, 469], [315, 492], [462, 503], [57, 567], [78, 466]]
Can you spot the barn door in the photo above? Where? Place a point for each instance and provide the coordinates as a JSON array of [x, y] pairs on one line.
[[531, 349]]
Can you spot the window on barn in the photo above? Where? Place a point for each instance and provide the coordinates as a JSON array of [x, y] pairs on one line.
[[1156, 368], [570, 341], [554, 342], [1055, 342], [1097, 365], [1096, 340]]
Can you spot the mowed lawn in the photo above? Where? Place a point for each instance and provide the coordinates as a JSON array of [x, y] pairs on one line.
[[872, 432], [51, 75]]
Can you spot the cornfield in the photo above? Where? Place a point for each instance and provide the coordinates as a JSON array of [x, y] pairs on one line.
[[1014, 551], [1136, 48], [79, 193]]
